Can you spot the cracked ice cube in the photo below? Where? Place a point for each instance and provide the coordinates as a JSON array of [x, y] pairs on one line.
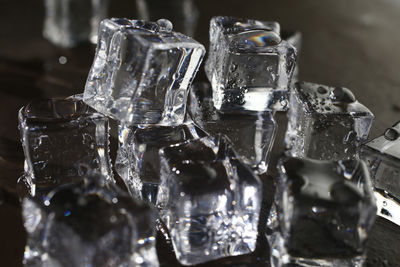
[[138, 160], [326, 122], [62, 139], [322, 213], [252, 133], [383, 159], [209, 200], [249, 65], [70, 22], [78, 226], [142, 71]]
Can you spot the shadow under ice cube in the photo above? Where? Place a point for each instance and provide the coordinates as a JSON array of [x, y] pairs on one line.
[[83, 226], [383, 159], [252, 133], [322, 213], [62, 141], [138, 160], [209, 200], [142, 71], [326, 123], [249, 65]]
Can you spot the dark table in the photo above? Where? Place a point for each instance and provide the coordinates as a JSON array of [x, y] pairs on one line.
[[345, 43]]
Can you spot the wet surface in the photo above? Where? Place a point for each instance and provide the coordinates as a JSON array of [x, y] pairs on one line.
[[350, 44]]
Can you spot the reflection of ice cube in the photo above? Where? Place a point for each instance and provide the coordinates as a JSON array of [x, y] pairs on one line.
[[142, 71], [209, 200], [322, 213], [62, 140], [326, 122], [383, 159], [249, 65], [85, 226], [69, 22], [252, 133], [138, 160], [182, 13]]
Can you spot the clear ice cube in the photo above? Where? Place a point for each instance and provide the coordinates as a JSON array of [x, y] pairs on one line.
[[322, 213], [70, 22], [209, 200], [252, 133], [62, 141], [326, 122], [142, 71], [294, 38], [383, 159], [182, 13], [75, 226], [138, 160], [249, 65]]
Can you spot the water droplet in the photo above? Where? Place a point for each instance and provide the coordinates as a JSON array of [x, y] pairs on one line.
[[322, 90], [62, 60], [233, 67], [341, 95], [391, 134], [165, 25]]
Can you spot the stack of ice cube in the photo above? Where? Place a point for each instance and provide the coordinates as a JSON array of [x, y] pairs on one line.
[[324, 206], [199, 168], [141, 77], [73, 212]]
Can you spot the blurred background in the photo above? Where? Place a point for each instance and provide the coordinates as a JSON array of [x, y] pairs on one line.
[[349, 43]]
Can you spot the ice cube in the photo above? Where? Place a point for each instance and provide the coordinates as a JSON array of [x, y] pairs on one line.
[[249, 65], [62, 141], [383, 159], [142, 71], [138, 161], [70, 22], [294, 38], [252, 133], [209, 200], [74, 226], [182, 13], [326, 122], [322, 213]]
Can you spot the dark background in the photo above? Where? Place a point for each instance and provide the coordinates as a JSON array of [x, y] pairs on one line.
[[352, 43]]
